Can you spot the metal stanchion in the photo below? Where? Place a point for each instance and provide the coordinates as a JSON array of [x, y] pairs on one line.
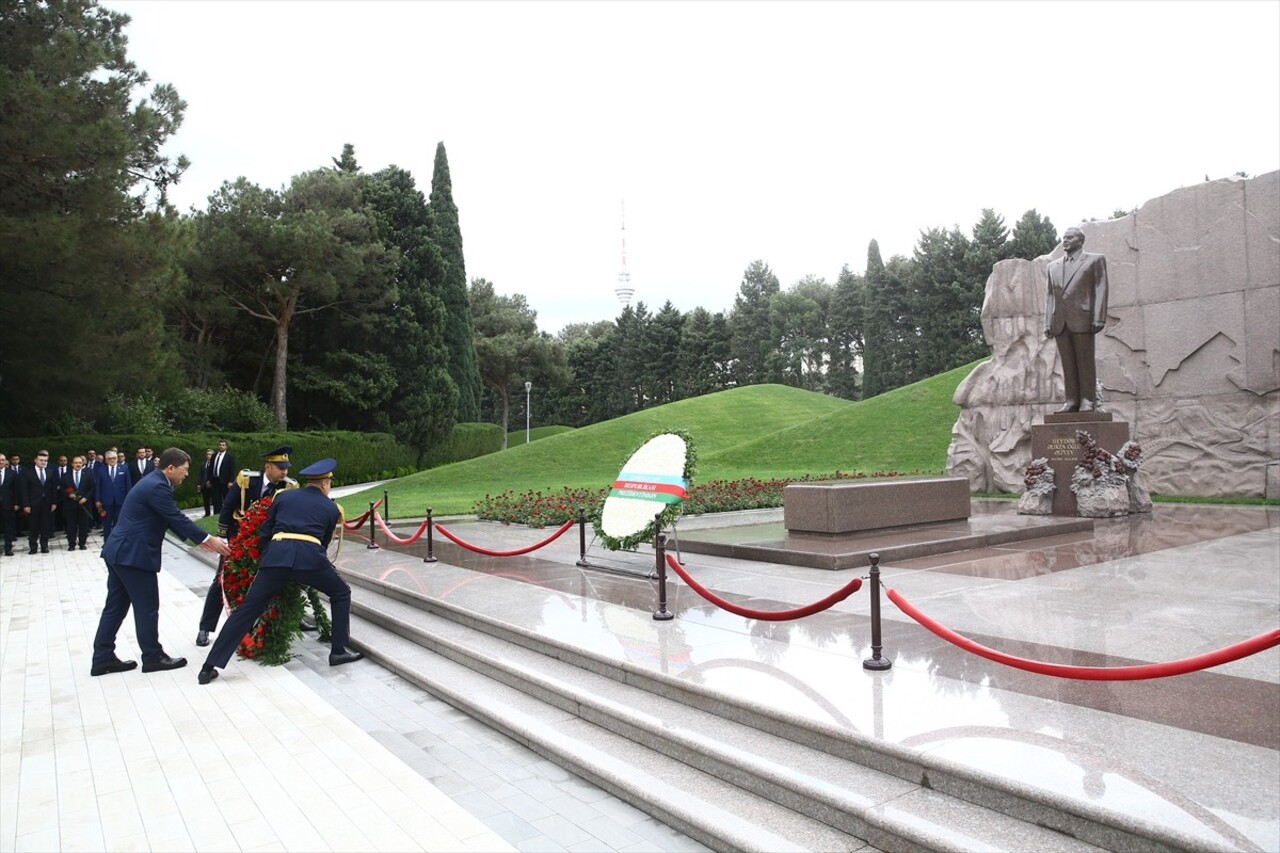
[[876, 662], [582, 538], [660, 558], [373, 528], [430, 558], [386, 507]]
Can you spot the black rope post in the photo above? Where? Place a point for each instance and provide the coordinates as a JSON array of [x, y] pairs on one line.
[[660, 559], [430, 558], [386, 507], [373, 528], [582, 537], [876, 662]]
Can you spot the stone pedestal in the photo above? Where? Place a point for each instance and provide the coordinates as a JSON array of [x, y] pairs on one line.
[[1055, 439], [851, 506]]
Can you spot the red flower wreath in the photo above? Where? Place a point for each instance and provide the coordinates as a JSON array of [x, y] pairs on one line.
[[270, 640]]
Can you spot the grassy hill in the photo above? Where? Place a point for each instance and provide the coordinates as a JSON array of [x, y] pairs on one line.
[[761, 430]]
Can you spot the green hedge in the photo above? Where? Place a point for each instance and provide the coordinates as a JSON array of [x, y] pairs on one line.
[[466, 441], [362, 457]]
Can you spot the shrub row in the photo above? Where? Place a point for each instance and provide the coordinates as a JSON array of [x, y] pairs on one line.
[[361, 456], [466, 441]]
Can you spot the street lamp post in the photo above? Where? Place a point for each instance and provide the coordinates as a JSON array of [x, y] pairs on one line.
[[528, 386]]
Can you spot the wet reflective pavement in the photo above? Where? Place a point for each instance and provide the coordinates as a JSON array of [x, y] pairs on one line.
[[1199, 753]]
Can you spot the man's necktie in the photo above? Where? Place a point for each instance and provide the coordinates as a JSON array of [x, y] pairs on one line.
[[77, 479], [41, 476]]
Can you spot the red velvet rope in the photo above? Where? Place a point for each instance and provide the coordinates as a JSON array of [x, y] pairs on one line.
[[765, 615], [360, 520], [517, 552], [396, 539], [1252, 646]]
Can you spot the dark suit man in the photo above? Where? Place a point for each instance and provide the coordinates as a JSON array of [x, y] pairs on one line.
[[93, 462], [10, 505], [140, 466], [248, 489], [77, 503], [202, 485], [132, 556], [223, 473], [292, 541], [112, 489], [39, 497], [1075, 311]]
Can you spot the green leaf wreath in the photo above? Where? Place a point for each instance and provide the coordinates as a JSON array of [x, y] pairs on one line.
[[270, 640]]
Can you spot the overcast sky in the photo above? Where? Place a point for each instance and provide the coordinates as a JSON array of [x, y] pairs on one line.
[[790, 132]]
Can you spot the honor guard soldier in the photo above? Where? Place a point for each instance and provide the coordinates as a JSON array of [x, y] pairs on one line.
[[293, 542], [248, 488]]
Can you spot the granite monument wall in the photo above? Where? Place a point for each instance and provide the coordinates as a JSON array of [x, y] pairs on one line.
[[1190, 355]]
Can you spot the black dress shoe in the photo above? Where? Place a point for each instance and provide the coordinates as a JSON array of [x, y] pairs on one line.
[[307, 627], [32, 551], [202, 639], [110, 666], [163, 663], [339, 658], [44, 551], [207, 674]]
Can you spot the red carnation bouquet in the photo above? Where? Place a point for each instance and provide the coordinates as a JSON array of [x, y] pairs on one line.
[[270, 640]]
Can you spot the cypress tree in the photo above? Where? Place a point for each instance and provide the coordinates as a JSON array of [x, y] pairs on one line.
[[459, 338]]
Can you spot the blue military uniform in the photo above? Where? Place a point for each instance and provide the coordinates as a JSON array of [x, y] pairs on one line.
[[249, 488], [294, 538]]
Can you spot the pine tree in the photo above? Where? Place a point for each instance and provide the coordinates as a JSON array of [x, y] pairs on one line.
[[845, 335], [752, 340], [447, 235], [1033, 236]]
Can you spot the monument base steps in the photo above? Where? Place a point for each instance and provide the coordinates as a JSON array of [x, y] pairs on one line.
[[731, 775]]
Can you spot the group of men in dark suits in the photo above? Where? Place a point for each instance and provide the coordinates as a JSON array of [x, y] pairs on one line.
[[73, 497]]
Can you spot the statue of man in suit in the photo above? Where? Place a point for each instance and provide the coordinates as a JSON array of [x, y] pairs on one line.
[[1075, 311]]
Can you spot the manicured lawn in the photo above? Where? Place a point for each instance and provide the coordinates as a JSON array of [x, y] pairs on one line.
[[758, 431]]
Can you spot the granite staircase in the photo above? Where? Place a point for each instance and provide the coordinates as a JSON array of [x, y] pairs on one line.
[[731, 775]]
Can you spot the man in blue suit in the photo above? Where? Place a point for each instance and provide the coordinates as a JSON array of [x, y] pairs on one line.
[[133, 564], [113, 487], [293, 541]]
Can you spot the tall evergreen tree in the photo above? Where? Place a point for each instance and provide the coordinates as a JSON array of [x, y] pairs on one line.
[[704, 358], [891, 336], [85, 230], [1033, 236], [459, 336], [947, 302], [845, 335], [663, 344], [752, 340]]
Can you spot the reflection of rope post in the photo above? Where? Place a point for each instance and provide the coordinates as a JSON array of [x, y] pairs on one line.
[[373, 529], [659, 549], [876, 662], [582, 537], [430, 558]]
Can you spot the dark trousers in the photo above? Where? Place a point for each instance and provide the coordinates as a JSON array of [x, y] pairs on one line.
[[219, 495], [213, 603], [8, 527], [1075, 351], [265, 585], [129, 587], [112, 519], [77, 521], [39, 525], [207, 493]]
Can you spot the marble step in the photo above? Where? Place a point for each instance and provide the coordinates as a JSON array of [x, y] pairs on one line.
[[809, 780]]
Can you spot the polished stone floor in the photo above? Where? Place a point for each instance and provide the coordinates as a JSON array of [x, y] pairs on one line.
[[1199, 753]]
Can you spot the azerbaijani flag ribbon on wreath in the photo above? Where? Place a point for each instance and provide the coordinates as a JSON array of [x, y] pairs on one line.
[[663, 488]]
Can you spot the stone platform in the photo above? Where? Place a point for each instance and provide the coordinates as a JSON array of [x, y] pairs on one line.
[[854, 506], [774, 543]]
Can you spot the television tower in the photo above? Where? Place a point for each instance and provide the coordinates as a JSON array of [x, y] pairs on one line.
[[624, 290]]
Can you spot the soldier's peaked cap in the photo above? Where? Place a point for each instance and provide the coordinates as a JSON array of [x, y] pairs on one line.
[[279, 456], [321, 470]]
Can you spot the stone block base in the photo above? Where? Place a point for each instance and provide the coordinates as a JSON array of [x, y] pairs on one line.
[[855, 505], [1056, 441]]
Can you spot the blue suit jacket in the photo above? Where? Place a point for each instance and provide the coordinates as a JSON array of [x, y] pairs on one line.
[[111, 493], [148, 511], [304, 510]]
